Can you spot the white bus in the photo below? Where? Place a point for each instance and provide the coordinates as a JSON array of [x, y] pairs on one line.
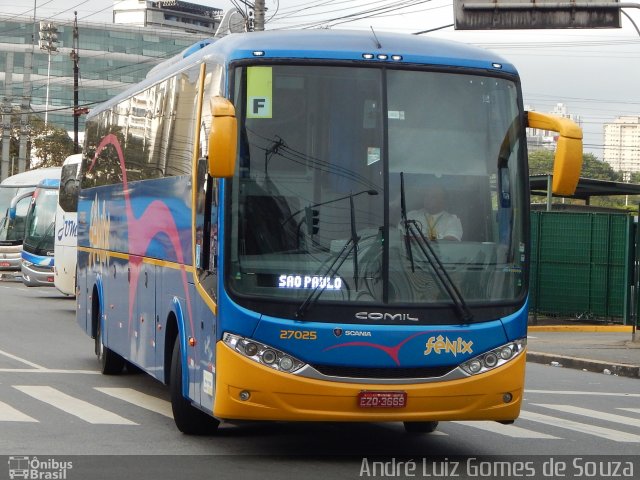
[[15, 198], [66, 240]]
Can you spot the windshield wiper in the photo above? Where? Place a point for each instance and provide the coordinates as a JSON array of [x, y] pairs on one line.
[[348, 248], [313, 296], [403, 212], [414, 232], [49, 229]]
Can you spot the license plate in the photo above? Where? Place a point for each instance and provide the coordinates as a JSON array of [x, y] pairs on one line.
[[5, 264], [371, 399]]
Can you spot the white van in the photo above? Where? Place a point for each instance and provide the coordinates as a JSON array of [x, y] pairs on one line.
[[65, 248]]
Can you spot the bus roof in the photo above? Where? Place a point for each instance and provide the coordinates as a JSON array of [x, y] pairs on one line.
[[325, 44], [322, 44], [31, 178]]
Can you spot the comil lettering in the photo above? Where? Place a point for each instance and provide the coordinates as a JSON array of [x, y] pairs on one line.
[[387, 317]]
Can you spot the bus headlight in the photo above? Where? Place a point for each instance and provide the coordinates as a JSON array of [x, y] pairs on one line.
[[263, 354], [494, 358]]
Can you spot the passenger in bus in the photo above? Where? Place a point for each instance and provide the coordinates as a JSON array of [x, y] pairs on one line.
[[435, 222]]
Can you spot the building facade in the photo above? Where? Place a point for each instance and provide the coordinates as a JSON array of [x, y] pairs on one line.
[[622, 143], [111, 57], [185, 16]]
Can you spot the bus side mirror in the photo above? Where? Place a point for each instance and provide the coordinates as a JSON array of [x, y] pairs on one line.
[[568, 160], [223, 139]]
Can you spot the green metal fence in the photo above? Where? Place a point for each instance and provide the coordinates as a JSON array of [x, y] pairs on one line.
[[581, 264]]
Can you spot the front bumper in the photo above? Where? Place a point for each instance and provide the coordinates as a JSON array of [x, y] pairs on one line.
[[281, 396], [37, 276], [10, 258]]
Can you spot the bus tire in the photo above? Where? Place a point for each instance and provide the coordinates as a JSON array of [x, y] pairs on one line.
[[420, 427], [110, 362], [188, 418]]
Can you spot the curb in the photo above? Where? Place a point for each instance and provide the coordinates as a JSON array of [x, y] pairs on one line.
[[619, 369], [580, 328]]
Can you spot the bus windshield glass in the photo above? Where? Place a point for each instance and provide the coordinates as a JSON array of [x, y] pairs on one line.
[[12, 227], [6, 195], [352, 180], [40, 223]]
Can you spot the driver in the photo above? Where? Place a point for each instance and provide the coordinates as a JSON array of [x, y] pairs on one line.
[[433, 219]]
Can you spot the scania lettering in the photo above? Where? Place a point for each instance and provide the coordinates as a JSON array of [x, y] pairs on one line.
[[268, 183]]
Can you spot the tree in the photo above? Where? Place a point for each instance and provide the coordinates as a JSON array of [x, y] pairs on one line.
[[541, 163], [49, 144]]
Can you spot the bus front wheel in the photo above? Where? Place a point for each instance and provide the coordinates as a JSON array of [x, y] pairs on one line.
[[188, 419], [420, 427]]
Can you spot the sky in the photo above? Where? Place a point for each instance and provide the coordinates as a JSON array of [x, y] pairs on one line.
[[595, 73]]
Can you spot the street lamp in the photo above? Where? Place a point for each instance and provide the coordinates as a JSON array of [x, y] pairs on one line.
[[49, 43]]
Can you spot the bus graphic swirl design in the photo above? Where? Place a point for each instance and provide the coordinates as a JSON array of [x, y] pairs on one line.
[[155, 219]]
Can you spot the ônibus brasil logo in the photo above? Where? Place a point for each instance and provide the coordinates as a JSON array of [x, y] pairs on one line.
[[35, 468]]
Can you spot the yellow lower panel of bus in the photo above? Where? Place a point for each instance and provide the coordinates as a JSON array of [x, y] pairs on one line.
[[279, 396]]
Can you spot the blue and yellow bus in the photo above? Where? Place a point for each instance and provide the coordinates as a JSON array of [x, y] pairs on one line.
[[249, 230]]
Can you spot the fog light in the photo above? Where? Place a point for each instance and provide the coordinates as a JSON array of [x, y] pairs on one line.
[[507, 397], [269, 356], [244, 395]]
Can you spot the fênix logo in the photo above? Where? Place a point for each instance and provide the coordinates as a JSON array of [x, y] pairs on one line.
[[99, 233], [441, 344], [38, 469]]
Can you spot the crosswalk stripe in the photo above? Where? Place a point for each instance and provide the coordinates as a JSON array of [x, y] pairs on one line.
[[73, 406], [508, 430], [140, 399], [10, 414], [609, 417], [632, 410], [602, 432], [584, 393]]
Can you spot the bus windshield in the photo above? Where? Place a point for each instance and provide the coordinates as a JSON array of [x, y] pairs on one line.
[[6, 195], [337, 163], [12, 229], [40, 223]]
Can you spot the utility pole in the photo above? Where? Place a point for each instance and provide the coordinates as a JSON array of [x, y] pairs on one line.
[[76, 58], [7, 110], [25, 105], [259, 9]]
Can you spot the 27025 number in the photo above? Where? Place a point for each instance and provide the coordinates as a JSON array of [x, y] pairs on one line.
[[298, 335]]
